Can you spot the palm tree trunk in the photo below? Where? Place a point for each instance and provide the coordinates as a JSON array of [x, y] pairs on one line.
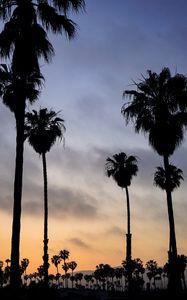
[[128, 242], [45, 256], [15, 277], [172, 241], [174, 280]]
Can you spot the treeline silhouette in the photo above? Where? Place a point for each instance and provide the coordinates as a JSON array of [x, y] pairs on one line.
[[148, 279]]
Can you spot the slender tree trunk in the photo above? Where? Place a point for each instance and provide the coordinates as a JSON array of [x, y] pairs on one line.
[[15, 276], [45, 256], [128, 243], [172, 241], [174, 281]]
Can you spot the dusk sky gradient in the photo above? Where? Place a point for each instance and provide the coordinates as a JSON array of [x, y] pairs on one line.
[[116, 42]]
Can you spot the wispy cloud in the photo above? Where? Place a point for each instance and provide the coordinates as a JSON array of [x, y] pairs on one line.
[[78, 242]]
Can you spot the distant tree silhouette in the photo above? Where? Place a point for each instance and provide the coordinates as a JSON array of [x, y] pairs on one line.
[[182, 259], [64, 254], [158, 108], [137, 270], [56, 259], [8, 261], [122, 168], [78, 278], [152, 270], [24, 265], [42, 129], [65, 267], [23, 40], [72, 266]]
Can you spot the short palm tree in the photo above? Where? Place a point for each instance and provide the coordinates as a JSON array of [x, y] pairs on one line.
[[158, 108], [56, 259], [65, 267], [64, 255], [72, 266], [24, 265], [122, 168], [42, 129]]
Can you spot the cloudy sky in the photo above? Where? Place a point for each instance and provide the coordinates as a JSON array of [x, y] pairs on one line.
[[116, 42]]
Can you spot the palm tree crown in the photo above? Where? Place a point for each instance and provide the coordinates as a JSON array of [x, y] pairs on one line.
[[175, 175], [43, 128], [158, 108], [122, 168], [12, 86]]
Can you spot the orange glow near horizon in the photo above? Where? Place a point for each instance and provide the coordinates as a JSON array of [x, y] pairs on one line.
[[99, 247]]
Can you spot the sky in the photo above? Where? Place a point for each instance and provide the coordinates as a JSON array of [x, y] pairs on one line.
[[116, 43]]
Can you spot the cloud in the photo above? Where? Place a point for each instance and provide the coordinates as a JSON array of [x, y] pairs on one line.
[[115, 230], [63, 203], [79, 243]]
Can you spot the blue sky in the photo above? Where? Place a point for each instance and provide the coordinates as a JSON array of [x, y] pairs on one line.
[[116, 42]]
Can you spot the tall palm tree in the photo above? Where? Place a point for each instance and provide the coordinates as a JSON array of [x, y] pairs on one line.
[[14, 92], [158, 109], [42, 129], [122, 168], [23, 41]]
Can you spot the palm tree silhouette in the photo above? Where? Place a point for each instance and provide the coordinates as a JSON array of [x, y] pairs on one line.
[[56, 259], [24, 264], [65, 267], [64, 254], [42, 129], [14, 92], [158, 109], [122, 168], [72, 266], [24, 40]]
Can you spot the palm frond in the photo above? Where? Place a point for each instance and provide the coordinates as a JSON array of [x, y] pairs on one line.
[[56, 22], [67, 5], [175, 175]]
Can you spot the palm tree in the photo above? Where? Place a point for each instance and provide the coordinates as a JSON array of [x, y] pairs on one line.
[[56, 259], [122, 168], [24, 265], [65, 267], [72, 266], [42, 129], [64, 254], [14, 92], [23, 40], [158, 109]]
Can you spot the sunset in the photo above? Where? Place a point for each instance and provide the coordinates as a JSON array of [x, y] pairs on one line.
[[115, 44]]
